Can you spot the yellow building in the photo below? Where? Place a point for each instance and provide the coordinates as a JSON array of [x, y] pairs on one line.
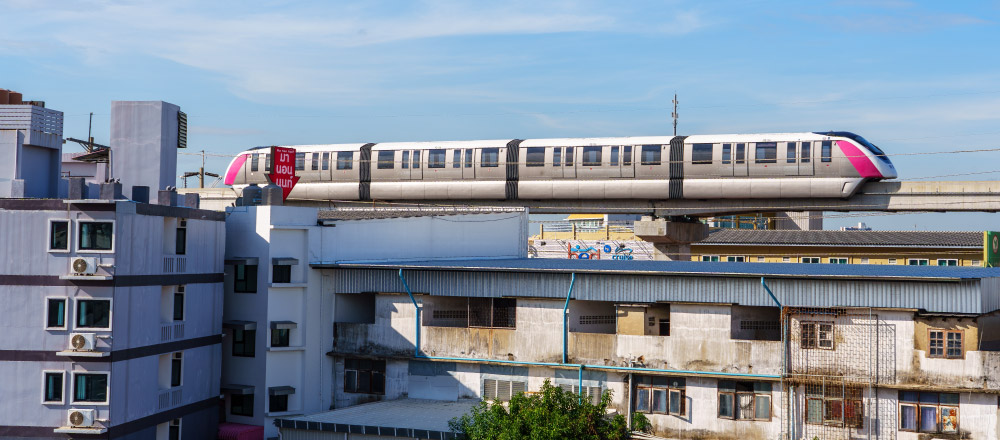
[[920, 248], [588, 227]]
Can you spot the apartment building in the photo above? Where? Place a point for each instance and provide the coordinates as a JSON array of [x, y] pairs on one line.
[[115, 318], [704, 350]]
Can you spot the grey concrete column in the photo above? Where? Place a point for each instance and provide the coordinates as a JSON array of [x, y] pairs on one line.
[[671, 239]]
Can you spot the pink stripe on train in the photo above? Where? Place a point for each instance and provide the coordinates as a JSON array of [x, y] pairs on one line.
[[235, 168], [859, 160]]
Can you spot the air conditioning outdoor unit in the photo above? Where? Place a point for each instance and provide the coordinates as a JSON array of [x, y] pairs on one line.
[[84, 265], [80, 418], [82, 341]]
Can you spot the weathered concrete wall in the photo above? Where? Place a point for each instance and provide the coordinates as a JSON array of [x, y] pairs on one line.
[[923, 326], [702, 419]]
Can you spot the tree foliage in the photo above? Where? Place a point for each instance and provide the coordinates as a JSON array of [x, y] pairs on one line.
[[551, 414]]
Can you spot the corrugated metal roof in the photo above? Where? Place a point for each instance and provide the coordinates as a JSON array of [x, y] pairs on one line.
[[408, 418], [844, 238]]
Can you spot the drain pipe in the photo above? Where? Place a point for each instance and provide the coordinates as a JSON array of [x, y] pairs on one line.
[[572, 281], [580, 385], [416, 309], [784, 354]]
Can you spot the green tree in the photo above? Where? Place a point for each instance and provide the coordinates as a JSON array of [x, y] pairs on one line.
[[551, 414]]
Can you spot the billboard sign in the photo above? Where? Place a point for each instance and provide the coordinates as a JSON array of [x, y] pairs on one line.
[[283, 170], [991, 248]]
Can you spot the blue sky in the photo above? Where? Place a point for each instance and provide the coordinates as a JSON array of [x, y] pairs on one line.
[[913, 77]]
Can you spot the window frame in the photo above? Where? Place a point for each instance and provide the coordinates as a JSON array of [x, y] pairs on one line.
[[177, 358], [179, 291], [375, 363], [918, 405], [651, 389], [805, 153], [345, 163], [326, 161], [79, 235], [282, 341], [614, 156], [734, 399], [736, 259], [76, 314], [300, 161], [760, 152], [382, 164], [484, 155], [947, 260], [65, 312], [656, 155], [741, 154], [246, 278], [810, 260], [626, 155], [437, 158], [698, 153], [727, 154], [314, 161], [456, 159], [826, 151], [846, 401], [944, 343], [107, 389], [838, 260], [815, 339], [254, 164], [710, 258], [271, 401], [180, 237], [243, 405], [911, 261], [62, 388], [69, 235], [591, 150], [251, 344], [791, 151], [531, 159], [285, 272]]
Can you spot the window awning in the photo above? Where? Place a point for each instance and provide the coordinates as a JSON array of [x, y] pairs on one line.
[[280, 391], [284, 261], [249, 261], [283, 325], [237, 389], [240, 325]]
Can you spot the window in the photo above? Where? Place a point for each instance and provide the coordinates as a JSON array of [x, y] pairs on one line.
[[253, 162], [326, 161], [241, 405], [650, 155], [661, 395], [790, 156], [709, 258], [174, 430], [406, 160], [786, 259], [246, 278], [766, 152], [364, 376], [569, 157], [345, 160], [468, 158], [917, 262], [744, 400], [96, 236], [614, 156], [826, 151], [892, 261], [817, 335], [176, 362], [503, 390], [945, 344], [386, 160], [701, 154], [741, 153], [809, 260], [975, 263], [93, 313], [281, 273], [59, 235], [556, 156], [456, 160], [727, 154], [760, 259], [928, 412], [52, 383], [300, 161], [489, 157], [947, 262], [592, 156], [492, 312], [90, 387], [180, 238], [534, 157], [279, 337], [244, 342], [806, 154], [627, 155], [435, 159], [834, 405], [179, 304], [865, 260], [267, 162], [277, 402], [833, 260], [314, 161], [416, 160], [56, 313], [736, 259]]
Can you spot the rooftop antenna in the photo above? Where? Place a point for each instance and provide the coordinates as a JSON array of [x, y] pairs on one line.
[[674, 113]]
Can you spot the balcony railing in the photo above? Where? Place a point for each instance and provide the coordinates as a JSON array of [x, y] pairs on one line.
[[169, 398]]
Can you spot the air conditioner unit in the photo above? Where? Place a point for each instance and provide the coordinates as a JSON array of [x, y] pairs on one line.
[[82, 341], [83, 265], [81, 418]]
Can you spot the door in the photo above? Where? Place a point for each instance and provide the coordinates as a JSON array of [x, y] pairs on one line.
[[569, 161], [726, 165], [791, 160], [805, 159], [740, 159], [627, 160], [417, 163], [468, 171]]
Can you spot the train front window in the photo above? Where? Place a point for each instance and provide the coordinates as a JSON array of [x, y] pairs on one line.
[[435, 159], [592, 156], [701, 154], [766, 152], [489, 157], [386, 160], [534, 157], [650, 155]]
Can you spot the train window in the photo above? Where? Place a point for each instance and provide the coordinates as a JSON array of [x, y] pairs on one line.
[[727, 153], [345, 160], [627, 155], [435, 159], [326, 161], [766, 152], [827, 151], [650, 155], [489, 157], [592, 156], [556, 156], [468, 158], [314, 161], [406, 160], [701, 154], [569, 157], [456, 160], [267, 162], [253, 162], [300, 161], [534, 157], [614, 156], [806, 154], [386, 160], [416, 159], [790, 157], [741, 153]]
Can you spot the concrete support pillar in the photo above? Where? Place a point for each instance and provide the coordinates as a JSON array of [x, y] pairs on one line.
[[671, 239]]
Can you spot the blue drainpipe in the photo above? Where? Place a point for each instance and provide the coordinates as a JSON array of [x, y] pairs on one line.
[[416, 308], [572, 281]]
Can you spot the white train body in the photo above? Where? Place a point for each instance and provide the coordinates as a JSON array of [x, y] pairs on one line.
[[739, 166]]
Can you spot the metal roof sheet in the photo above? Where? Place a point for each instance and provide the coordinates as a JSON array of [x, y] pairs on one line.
[[393, 418], [844, 238]]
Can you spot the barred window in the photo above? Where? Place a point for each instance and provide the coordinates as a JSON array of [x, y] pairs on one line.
[[834, 405], [817, 335], [744, 400], [596, 319]]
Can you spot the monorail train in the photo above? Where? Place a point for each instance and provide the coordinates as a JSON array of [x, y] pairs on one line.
[[785, 165]]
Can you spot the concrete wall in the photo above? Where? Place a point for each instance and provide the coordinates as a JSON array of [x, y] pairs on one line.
[[144, 144]]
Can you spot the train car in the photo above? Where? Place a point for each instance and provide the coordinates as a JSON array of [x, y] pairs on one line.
[[738, 166]]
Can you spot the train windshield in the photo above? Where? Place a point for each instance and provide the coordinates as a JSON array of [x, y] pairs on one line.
[[856, 138]]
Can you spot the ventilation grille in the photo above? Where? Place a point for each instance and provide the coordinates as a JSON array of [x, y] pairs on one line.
[[182, 129]]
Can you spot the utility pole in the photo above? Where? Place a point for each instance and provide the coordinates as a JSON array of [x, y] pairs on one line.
[[674, 113], [200, 173]]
